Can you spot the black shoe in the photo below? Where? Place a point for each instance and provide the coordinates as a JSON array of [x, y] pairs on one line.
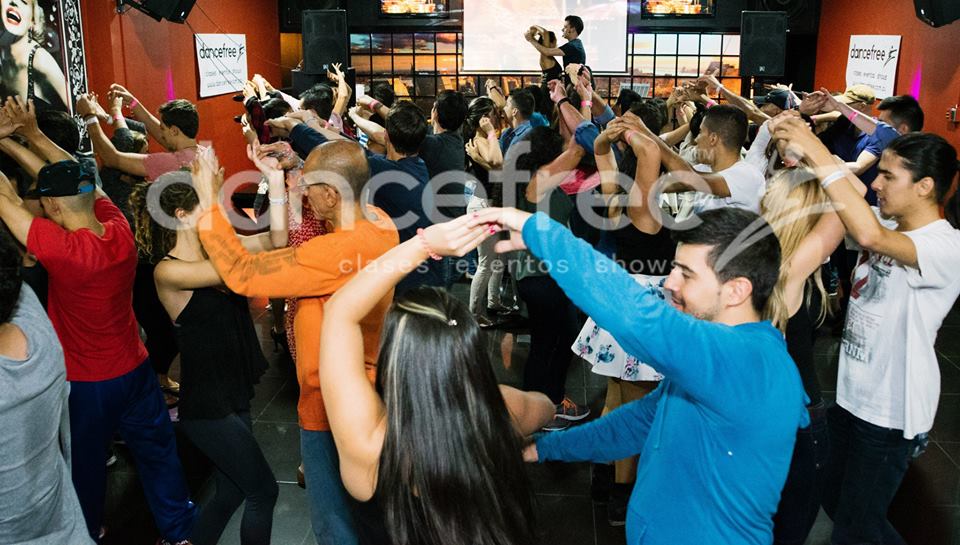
[[617, 506], [601, 480]]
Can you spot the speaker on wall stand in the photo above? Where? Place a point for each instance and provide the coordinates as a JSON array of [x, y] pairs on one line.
[[175, 11], [763, 43], [326, 40]]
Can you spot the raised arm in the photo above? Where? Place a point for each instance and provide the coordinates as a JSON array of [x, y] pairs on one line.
[[139, 112], [23, 115], [12, 212], [743, 104], [23, 156], [131, 163], [548, 51], [602, 289], [376, 133], [495, 93], [551, 175], [645, 219], [343, 90], [857, 217], [356, 413]]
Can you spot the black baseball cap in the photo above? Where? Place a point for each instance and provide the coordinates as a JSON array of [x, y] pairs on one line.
[[65, 179], [778, 97]]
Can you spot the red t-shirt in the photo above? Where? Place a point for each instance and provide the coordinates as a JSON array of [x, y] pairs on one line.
[[90, 293]]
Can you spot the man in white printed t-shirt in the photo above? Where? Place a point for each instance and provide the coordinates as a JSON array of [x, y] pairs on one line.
[[731, 180], [905, 282]]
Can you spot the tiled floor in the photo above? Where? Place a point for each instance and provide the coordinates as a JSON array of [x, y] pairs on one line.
[[926, 509]]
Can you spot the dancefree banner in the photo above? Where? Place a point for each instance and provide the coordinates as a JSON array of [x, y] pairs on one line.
[[872, 60], [222, 63]]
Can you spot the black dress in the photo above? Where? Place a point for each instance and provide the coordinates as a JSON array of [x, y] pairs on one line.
[[220, 355], [801, 334]]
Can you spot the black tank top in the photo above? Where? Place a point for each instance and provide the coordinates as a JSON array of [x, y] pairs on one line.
[[642, 253], [801, 334], [220, 355]]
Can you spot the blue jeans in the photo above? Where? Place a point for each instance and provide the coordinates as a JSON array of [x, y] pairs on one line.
[[800, 499], [132, 405], [865, 468], [331, 508]]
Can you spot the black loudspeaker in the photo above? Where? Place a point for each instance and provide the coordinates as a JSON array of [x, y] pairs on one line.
[[803, 16], [937, 13], [325, 39], [175, 11], [291, 12], [763, 43]]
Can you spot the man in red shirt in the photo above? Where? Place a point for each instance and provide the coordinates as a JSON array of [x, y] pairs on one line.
[[88, 250]]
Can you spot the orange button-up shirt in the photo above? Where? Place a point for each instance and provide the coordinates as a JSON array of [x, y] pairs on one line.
[[311, 272]]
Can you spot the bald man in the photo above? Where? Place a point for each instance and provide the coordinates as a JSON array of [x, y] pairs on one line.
[[313, 272]]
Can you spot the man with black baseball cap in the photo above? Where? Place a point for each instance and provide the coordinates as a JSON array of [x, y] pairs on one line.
[[87, 248], [774, 102]]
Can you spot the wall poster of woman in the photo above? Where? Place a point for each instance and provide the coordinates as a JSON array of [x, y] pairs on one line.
[[41, 52]]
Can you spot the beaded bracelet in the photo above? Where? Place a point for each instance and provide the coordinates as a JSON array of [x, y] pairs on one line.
[[423, 240]]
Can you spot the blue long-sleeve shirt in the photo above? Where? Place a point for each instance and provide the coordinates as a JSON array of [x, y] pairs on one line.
[[715, 438]]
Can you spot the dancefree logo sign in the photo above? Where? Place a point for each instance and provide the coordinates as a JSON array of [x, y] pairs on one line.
[[872, 61], [221, 62]]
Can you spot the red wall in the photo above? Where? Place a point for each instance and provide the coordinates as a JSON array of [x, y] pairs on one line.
[[928, 55], [157, 61]]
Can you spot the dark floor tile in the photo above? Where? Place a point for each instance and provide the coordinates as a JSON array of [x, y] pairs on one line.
[[565, 519], [291, 519], [264, 394], [932, 480], [949, 375], [283, 406], [924, 525], [946, 426], [952, 449], [948, 341], [280, 444], [606, 534]]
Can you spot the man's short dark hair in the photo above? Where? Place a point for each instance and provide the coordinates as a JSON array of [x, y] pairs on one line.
[[626, 98], [451, 109], [275, 107], [575, 22], [406, 127], [649, 113], [904, 109], [754, 251], [524, 102], [61, 128], [729, 123], [181, 114], [318, 98], [9, 276]]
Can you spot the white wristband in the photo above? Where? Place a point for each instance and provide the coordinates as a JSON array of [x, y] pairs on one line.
[[91, 120], [721, 88], [833, 177], [278, 200]]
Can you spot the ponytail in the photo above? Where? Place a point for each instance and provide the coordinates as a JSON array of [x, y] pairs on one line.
[[154, 241]]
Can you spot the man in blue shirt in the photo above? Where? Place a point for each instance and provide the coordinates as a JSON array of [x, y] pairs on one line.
[[519, 108], [716, 438], [572, 51]]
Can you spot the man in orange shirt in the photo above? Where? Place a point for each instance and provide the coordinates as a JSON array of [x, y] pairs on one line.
[[334, 175]]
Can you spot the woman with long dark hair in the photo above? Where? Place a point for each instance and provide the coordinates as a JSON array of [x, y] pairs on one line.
[[220, 358], [906, 281], [435, 440]]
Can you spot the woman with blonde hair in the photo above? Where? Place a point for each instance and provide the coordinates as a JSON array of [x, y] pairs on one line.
[[809, 230]]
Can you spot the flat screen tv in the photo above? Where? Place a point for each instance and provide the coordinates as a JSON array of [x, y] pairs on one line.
[[414, 8], [678, 8]]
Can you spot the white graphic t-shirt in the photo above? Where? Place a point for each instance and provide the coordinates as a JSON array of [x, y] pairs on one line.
[[746, 185], [888, 366]]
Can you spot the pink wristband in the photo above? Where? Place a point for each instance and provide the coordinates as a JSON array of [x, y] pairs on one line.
[[423, 240], [118, 118], [374, 104], [134, 104], [711, 103], [586, 103], [491, 136], [627, 135], [853, 115]]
